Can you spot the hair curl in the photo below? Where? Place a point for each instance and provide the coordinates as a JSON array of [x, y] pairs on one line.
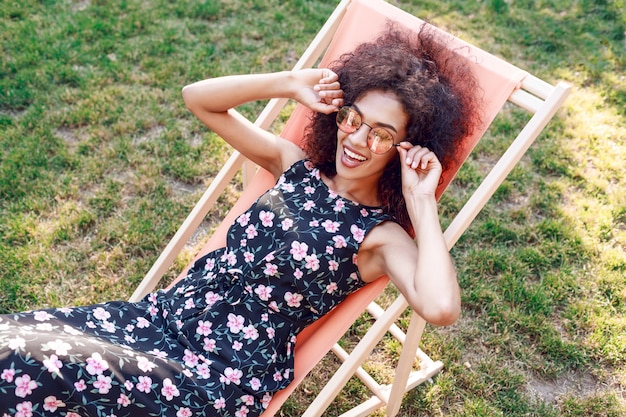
[[437, 90]]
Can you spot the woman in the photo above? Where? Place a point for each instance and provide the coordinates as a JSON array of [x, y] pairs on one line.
[[220, 341]]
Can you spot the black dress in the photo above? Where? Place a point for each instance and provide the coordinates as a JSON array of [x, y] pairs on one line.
[[220, 342]]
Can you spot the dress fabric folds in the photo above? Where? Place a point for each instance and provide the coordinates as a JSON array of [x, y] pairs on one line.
[[218, 343]]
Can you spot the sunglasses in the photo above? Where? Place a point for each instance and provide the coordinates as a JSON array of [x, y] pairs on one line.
[[379, 139]]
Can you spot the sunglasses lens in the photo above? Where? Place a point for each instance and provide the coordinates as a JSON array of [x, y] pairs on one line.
[[348, 120], [379, 140]]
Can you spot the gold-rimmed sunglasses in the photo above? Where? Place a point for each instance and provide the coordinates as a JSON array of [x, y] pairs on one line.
[[379, 139]]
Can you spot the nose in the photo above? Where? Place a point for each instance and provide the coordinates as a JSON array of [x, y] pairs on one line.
[[359, 136]]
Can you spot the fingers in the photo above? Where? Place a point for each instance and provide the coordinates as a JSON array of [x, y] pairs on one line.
[[418, 157]]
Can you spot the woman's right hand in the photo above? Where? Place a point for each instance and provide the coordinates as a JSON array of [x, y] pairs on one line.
[[318, 89]]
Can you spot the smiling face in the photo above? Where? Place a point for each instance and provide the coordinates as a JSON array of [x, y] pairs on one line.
[[354, 159]]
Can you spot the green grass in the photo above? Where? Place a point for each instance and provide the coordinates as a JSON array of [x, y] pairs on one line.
[[100, 162]]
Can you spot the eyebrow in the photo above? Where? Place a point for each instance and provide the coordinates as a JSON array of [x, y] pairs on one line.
[[378, 124]]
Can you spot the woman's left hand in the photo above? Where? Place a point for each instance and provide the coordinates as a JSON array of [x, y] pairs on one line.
[[421, 169]]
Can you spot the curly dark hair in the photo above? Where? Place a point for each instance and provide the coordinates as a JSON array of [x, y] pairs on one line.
[[437, 90]]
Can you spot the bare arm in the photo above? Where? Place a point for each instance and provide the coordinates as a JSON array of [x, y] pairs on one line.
[[422, 269], [213, 102]]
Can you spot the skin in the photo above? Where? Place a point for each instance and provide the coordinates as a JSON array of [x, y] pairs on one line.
[[422, 269]]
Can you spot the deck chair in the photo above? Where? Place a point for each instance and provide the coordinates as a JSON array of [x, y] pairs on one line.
[[353, 22]]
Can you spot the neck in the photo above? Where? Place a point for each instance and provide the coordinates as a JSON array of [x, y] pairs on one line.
[[360, 192]]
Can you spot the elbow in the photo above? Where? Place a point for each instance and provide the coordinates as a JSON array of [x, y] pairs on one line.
[[187, 94], [442, 313]]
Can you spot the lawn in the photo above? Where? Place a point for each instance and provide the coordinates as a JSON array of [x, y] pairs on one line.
[[100, 162]]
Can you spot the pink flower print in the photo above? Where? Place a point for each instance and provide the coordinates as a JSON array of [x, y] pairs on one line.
[[293, 299], [142, 323], [42, 316], [274, 306], [364, 212], [209, 344], [129, 327], [298, 250], [169, 390], [72, 415], [129, 385], [203, 371], [24, 386], [250, 332], [267, 218], [242, 412], [255, 384], [243, 219], [309, 190], [270, 270], [333, 265], [129, 339], [265, 317], [211, 298], [237, 345], [96, 365], [24, 409], [357, 233], [248, 257], [339, 205], [247, 399], [270, 332], [144, 364], [101, 314], [153, 311], [308, 206], [8, 375], [235, 323], [286, 224], [251, 232], [53, 364], [312, 262], [331, 288], [190, 359], [184, 412], [80, 385], [108, 327], [263, 292], [17, 343], [330, 250], [270, 257], [204, 328], [210, 264], [330, 226], [230, 258], [144, 384], [243, 243], [278, 376], [231, 375], [298, 273], [103, 384], [287, 187], [189, 304], [340, 241], [51, 403], [219, 403], [123, 400], [267, 398], [314, 223]]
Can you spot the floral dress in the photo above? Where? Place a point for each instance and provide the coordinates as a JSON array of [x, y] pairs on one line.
[[218, 343]]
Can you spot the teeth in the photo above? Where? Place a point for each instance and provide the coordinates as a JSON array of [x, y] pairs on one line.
[[354, 155]]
